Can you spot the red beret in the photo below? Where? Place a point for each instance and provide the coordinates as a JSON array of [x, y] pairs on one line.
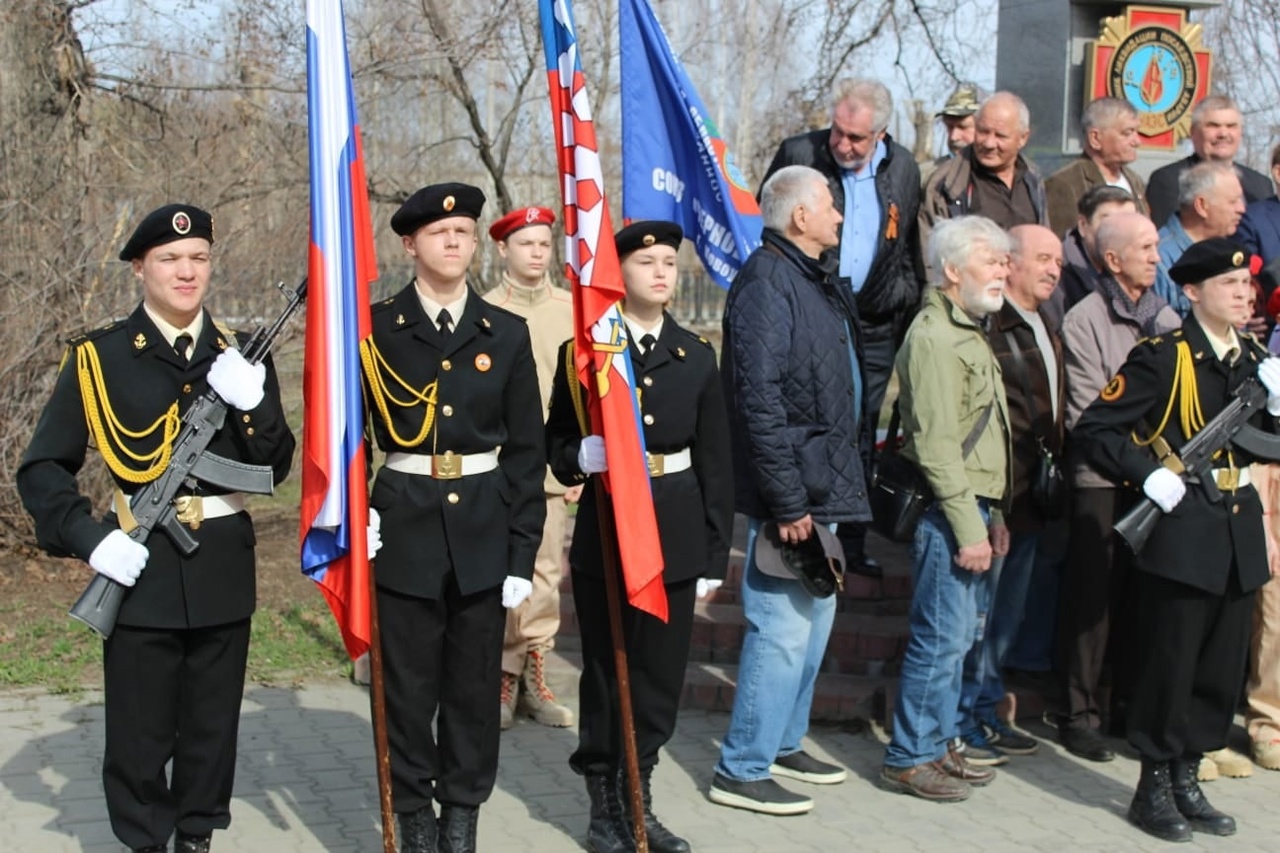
[[521, 217], [1273, 304]]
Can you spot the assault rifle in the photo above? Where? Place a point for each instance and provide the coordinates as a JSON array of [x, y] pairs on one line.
[[153, 505], [1196, 458]]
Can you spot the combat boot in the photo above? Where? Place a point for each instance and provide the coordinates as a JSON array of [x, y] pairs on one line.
[[608, 831], [1191, 803], [536, 698], [510, 689], [1153, 810], [418, 831], [458, 828], [185, 843], [661, 839]]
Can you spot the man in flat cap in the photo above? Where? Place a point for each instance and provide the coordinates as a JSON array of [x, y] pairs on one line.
[[523, 237], [454, 404], [173, 667], [1196, 577]]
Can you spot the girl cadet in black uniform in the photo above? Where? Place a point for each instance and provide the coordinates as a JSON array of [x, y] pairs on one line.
[[687, 438]]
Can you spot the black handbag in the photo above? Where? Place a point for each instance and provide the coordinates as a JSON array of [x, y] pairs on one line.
[[1048, 488], [900, 492]]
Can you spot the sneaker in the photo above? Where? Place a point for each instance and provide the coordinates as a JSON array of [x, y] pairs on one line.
[[975, 750], [763, 795], [926, 781], [1008, 740], [803, 767], [1267, 753], [1230, 763]]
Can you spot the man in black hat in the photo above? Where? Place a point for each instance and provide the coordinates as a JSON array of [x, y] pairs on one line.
[[1195, 579], [454, 404], [173, 668]]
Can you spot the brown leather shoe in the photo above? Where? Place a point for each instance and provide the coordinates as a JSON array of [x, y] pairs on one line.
[[927, 781], [954, 765]]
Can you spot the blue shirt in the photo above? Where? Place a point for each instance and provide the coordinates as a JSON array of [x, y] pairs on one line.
[[861, 228], [1174, 240]]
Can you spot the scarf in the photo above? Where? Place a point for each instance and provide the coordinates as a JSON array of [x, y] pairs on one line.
[[1142, 314]]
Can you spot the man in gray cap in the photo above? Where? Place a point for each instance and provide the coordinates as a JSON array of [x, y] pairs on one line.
[[957, 117]]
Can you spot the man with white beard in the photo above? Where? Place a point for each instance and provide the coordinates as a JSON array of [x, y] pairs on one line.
[[956, 426]]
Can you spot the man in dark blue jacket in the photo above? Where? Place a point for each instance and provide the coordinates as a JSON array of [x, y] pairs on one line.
[[875, 185], [791, 365]]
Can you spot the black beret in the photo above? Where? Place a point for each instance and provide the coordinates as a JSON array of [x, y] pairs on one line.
[[1202, 261], [165, 225], [437, 202], [645, 233]]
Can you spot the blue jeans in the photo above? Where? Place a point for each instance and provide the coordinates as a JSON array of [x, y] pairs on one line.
[[1001, 606], [786, 636], [944, 621], [1038, 639]]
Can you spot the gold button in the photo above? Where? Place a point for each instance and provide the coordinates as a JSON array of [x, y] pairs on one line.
[[186, 389], [247, 418], [648, 380], [452, 497], [446, 365], [447, 411], [648, 420], [249, 431]]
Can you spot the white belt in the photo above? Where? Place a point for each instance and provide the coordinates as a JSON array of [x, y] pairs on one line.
[[192, 509], [1230, 479], [443, 466], [662, 464]]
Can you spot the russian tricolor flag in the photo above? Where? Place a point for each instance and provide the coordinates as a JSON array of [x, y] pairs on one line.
[[335, 500]]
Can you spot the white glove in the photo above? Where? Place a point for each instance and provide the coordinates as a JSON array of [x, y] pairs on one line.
[[119, 558], [237, 381], [706, 586], [514, 591], [374, 532], [1165, 488], [1269, 376], [591, 458]]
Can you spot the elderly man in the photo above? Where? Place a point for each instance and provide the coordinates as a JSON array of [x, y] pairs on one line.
[[1215, 137], [1210, 204], [1030, 357], [991, 178], [875, 184], [792, 370], [1081, 265], [1097, 335], [956, 116], [1109, 139], [956, 424], [1207, 554]]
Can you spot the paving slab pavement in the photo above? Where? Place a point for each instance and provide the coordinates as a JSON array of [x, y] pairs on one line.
[[305, 782]]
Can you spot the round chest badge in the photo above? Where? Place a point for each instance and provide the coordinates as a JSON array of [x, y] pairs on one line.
[[483, 362], [1155, 70]]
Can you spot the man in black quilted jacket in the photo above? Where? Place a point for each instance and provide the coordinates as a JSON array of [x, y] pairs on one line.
[[794, 382]]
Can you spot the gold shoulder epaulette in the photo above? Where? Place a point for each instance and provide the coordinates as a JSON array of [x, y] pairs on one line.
[[228, 333]]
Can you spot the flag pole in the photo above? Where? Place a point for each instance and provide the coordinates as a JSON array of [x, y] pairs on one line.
[[609, 552], [378, 703]]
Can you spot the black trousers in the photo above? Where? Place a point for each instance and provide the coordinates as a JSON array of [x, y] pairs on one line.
[[443, 655], [1190, 660], [1094, 618], [171, 695], [656, 658]]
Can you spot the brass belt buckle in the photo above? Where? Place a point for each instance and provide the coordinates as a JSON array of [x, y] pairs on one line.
[[657, 463], [446, 466], [190, 510], [1228, 479]]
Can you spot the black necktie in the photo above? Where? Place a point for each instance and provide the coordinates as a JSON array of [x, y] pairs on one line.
[[445, 322], [647, 343], [181, 344]]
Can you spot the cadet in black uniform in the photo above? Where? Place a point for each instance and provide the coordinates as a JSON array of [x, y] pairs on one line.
[[173, 668], [454, 402], [687, 437], [1193, 591]]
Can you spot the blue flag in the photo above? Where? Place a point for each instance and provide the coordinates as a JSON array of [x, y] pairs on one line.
[[675, 166]]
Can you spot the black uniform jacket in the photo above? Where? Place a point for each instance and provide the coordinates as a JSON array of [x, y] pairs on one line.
[[1199, 541], [682, 405], [481, 527], [142, 377]]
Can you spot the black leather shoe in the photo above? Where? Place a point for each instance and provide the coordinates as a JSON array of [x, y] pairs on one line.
[[867, 567], [458, 828], [185, 843], [1191, 803], [418, 833], [1086, 743], [1153, 810]]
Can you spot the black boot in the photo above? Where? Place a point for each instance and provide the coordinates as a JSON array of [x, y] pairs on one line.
[[608, 831], [1191, 803], [661, 839], [185, 843], [458, 828], [1152, 809], [418, 831]]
